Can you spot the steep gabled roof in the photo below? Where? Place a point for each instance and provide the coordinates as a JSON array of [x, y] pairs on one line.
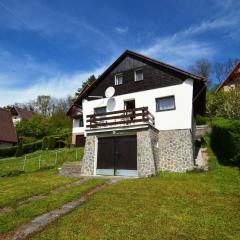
[[75, 108], [230, 76], [22, 112], [7, 130], [140, 57]]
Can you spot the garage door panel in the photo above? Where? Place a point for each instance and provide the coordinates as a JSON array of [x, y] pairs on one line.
[[126, 153], [117, 156], [105, 157]]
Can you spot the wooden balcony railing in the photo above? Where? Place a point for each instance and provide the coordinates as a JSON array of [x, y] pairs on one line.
[[122, 117]]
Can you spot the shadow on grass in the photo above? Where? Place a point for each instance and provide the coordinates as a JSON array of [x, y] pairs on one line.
[[225, 149]]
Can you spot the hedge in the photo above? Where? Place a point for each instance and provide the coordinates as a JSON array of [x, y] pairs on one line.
[[225, 141], [48, 142], [55, 141], [25, 148], [8, 151]]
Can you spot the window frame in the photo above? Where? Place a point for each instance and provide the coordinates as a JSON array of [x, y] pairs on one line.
[[99, 108], [135, 75], [119, 75], [164, 110], [81, 121]]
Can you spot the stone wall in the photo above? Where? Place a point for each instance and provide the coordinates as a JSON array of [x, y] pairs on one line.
[[175, 150], [156, 150], [89, 156], [146, 156]]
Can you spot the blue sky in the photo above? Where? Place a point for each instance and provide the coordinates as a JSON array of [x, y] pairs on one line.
[[50, 47]]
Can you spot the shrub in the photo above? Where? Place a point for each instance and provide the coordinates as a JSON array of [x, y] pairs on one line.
[[31, 147], [225, 141], [45, 143], [51, 142], [19, 151], [8, 151], [224, 104], [201, 120]]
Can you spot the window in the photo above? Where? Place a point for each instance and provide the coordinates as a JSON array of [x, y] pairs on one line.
[[138, 75], [100, 110], [118, 79], [81, 122], [165, 103]]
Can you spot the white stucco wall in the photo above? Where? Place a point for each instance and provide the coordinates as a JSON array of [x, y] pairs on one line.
[[180, 118], [16, 119], [76, 128]]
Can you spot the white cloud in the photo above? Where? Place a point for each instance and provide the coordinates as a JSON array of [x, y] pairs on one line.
[[185, 47], [61, 85], [121, 30]]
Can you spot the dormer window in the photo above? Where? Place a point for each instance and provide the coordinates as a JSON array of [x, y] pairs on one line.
[[118, 79], [138, 75]]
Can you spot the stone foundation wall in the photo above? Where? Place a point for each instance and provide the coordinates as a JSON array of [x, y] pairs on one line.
[[146, 154], [89, 156], [156, 150], [175, 150]]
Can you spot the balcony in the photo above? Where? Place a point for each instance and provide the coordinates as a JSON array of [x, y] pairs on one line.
[[129, 117]]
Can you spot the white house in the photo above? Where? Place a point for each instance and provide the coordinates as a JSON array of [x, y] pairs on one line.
[[19, 114], [138, 118]]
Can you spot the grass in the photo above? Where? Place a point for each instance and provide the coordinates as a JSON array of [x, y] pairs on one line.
[[192, 205], [15, 189], [49, 158], [27, 211]]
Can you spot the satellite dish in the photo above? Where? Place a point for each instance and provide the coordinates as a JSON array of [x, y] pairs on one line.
[[111, 104], [109, 92]]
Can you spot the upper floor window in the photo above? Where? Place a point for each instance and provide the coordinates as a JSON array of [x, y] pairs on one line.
[[100, 110], [165, 103], [118, 79], [139, 75]]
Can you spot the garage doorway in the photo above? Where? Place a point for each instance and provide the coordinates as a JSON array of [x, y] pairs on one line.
[[117, 156]]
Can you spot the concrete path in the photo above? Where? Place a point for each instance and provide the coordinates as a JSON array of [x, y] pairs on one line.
[[42, 196], [41, 221]]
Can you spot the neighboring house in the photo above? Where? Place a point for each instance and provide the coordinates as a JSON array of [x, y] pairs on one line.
[[8, 135], [75, 111], [138, 118], [19, 114], [232, 80]]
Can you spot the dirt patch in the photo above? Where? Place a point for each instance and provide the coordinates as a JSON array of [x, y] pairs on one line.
[[5, 210]]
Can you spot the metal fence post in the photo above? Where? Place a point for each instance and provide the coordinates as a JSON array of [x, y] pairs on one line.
[[56, 158], [24, 162], [39, 162]]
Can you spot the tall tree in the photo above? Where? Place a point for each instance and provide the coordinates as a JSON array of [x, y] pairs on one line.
[[89, 81], [203, 68], [45, 105], [222, 69]]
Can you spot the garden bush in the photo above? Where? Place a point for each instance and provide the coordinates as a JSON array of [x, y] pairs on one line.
[[224, 104], [201, 120], [225, 141], [8, 151], [19, 151]]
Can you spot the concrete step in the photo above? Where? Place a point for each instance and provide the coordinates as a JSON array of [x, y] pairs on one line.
[[71, 169]]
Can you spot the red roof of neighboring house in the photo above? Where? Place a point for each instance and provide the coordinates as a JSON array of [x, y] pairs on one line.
[[230, 76], [7, 130], [22, 112]]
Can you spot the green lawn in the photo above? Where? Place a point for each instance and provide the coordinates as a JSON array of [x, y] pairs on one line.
[[48, 158], [168, 206], [16, 189]]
